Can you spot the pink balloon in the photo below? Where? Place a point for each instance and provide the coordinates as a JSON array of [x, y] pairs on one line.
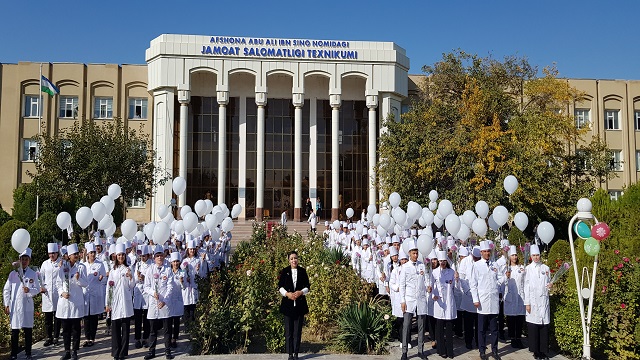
[[600, 231]]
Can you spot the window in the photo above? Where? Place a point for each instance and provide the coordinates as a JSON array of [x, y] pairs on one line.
[[615, 194], [582, 118], [103, 108], [137, 108], [68, 107], [31, 106], [637, 119], [583, 162], [611, 121], [637, 160], [137, 203], [616, 160], [30, 150]]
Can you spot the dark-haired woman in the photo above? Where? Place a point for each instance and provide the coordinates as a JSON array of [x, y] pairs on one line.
[[120, 286], [444, 280], [293, 285], [514, 298]]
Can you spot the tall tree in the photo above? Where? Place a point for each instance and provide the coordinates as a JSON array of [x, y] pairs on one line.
[[478, 120]]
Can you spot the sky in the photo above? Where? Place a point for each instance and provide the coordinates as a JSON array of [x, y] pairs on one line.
[[585, 39]]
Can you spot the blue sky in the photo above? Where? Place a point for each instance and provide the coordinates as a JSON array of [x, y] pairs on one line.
[[586, 39]]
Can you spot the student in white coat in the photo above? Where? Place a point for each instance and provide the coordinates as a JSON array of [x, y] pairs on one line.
[[49, 275], [444, 280], [158, 287], [119, 292], [18, 292], [313, 221], [413, 298], [176, 304], [196, 262], [93, 294], [514, 298], [431, 321], [368, 262], [469, 311], [536, 302], [140, 299], [393, 271], [189, 291], [484, 283], [70, 310]]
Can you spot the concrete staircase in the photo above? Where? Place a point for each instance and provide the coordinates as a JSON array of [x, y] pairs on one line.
[[242, 230]]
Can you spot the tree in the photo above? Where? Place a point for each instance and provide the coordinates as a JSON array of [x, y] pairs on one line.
[[478, 120], [78, 164]]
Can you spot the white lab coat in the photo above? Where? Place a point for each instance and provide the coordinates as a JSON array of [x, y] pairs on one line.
[[536, 293], [464, 271], [394, 289], [368, 261], [197, 265], [443, 282], [158, 279], [94, 291], [121, 292], [382, 289], [176, 304], [484, 283], [501, 263], [140, 299], [514, 292], [20, 303], [49, 275], [189, 286], [73, 307], [312, 220], [413, 287]]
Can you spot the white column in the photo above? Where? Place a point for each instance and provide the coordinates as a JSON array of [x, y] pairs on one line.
[[313, 150], [242, 158], [335, 102], [261, 101], [184, 96], [223, 100], [372, 103], [298, 102], [163, 122]]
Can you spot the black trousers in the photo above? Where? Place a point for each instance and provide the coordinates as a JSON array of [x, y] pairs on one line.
[[71, 328], [444, 337], [190, 313], [293, 333], [120, 330], [515, 324], [488, 332], [431, 324], [51, 325], [28, 341], [538, 339], [90, 326], [501, 319], [470, 328], [141, 324], [458, 324], [175, 327], [156, 326]]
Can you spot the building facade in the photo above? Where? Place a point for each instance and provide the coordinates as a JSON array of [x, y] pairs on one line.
[[270, 124]]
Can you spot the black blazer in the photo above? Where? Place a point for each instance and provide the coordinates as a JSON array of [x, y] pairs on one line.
[[286, 281]]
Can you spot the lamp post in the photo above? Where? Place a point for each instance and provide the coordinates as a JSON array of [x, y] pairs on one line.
[[584, 213]]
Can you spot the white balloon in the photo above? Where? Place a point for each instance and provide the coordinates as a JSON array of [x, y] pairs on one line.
[[522, 220], [108, 203], [349, 213], [392, 225], [464, 232], [98, 210], [437, 221], [468, 217], [433, 205], [139, 237], [394, 199], [236, 210], [185, 210], [179, 227], [428, 217], [227, 224], [414, 210], [510, 184], [433, 195], [385, 221], [163, 210], [20, 240], [359, 228], [161, 233], [210, 205], [210, 220], [425, 244], [200, 207], [226, 212], [445, 207], [371, 210], [110, 230], [63, 220], [452, 223], [148, 229], [406, 245], [84, 216], [381, 231], [375, 219], [482, 209], [219, 215], [190, 221], [492, 223], [422, 222], [114, 191], [479, 227], [223, 206], [400, 216], [546, 232], [500, 215], [179, 185], [397, 229], [216, 209], [168, 219], [129, 228]]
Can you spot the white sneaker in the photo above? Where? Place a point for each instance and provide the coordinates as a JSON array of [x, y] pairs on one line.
[[409, 345]]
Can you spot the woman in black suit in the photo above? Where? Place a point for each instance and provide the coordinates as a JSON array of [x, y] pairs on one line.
[[294, 285]]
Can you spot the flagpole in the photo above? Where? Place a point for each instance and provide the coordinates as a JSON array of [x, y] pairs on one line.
[[38, 145]]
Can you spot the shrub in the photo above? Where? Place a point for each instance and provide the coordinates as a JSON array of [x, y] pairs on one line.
[[364, 327], [4, 217], [42, 231]]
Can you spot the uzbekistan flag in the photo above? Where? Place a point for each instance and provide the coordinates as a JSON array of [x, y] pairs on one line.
[[48, 87]]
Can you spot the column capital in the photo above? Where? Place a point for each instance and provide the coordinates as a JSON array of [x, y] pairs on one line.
[[222, 97], [261, 98], [334, 100], [184, 94], [372, 101], [298, 99]]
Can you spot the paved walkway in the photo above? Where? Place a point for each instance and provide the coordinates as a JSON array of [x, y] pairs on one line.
[[102, 351]]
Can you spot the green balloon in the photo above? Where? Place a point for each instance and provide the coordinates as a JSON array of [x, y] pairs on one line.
[[592, 246], [582, 229]]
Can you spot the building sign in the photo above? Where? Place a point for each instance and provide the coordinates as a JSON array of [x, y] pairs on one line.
[[279, 48]]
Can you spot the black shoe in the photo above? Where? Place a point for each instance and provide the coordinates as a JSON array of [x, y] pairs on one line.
[[138, 344], [290, 357], [295, 356], [28, 357], [174, 344], [167, 355], [56, 341], [14, 357], [544, 357], [74, 355], [483, 357], [404, 356], [422, 355], [145, 343], [150, 355], [66, 356], [49, 342], [86, 343], [496, 356]]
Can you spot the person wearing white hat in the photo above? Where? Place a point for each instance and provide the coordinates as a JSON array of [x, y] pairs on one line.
[[431, 320], [176, 303], [18, 292], [49, 276], [536, 302], [502, 263], [398, 259], [444, 280], [158, 287], [413, 297], [71, 280], [189, 291], [193, 259], [484, 283], [96, 276], [120, 286], [356, 256], [458, 323], [140, 299], [469, 311], [368, 262], [514, 298]]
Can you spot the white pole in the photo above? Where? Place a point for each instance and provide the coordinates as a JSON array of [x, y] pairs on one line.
[[38, 145]]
